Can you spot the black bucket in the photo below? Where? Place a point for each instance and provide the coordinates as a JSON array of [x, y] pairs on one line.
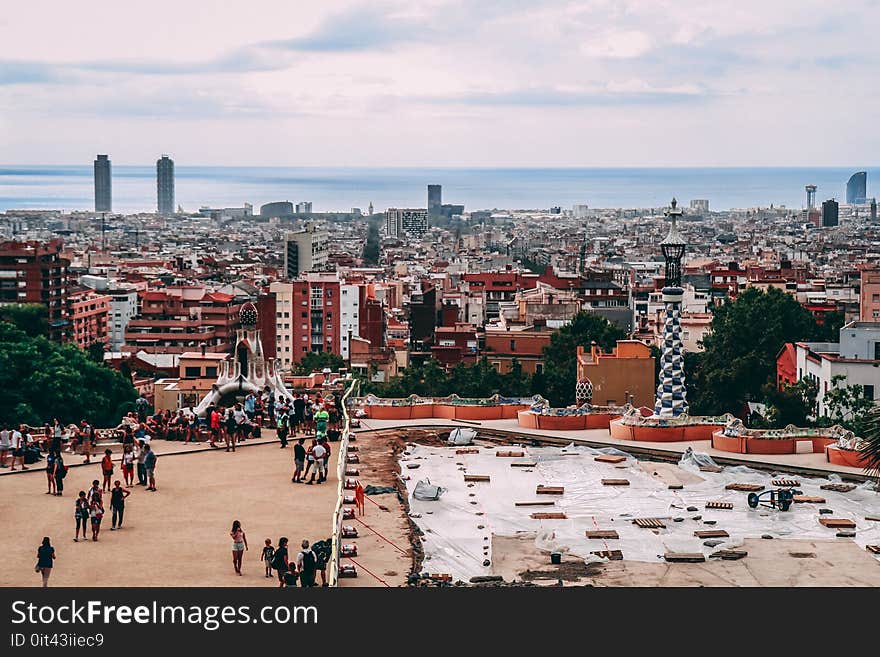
[[555, 558]]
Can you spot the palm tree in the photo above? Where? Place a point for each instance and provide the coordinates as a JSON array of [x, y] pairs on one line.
[[871, 446]]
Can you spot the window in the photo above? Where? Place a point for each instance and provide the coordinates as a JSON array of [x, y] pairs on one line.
[[875, 298], [192, 372], [513, 345], [539, 368], [877, 351], [211, 372], [868, 391]]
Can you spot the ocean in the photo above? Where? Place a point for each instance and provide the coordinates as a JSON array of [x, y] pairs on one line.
[[341, 189]]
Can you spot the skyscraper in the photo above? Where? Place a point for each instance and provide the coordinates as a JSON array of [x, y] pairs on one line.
[[165, 185], [435, 202], [830, 210], [857, 188], [103, 190]]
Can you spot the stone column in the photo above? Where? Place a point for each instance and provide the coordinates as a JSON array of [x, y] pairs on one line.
[[671, 399]]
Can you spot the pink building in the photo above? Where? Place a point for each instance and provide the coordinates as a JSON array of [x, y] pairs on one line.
[[88, 313]]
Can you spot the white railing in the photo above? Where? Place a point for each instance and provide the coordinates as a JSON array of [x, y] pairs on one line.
[[341, 456]]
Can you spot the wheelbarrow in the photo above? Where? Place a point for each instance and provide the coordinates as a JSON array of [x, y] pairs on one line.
[[780, 498]]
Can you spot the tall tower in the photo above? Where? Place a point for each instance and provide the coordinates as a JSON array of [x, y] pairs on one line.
[[811, 196], [435, 201], [103, 190], [165, 185], [671, 399]]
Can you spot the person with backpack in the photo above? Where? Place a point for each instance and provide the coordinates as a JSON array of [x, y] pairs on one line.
[[306, 563], [45, 560], [50, 473], [280, 561], [60, 473]]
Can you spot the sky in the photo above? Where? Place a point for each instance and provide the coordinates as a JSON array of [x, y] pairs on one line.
[[477, 83]]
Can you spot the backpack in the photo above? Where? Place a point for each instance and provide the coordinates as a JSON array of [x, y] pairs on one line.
[[308, 561], [62, 469]]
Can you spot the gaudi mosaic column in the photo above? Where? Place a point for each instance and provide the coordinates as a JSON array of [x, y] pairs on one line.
[[671, 400]]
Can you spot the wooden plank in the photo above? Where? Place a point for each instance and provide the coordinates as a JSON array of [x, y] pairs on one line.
[[467, 450], [873, 549], [838, 488], [527, 464], [515, 455], [611, 555], [473, 477], [719, 505], [808, 499], [550, 490], [710, 468], [675, 487], [729, 555], [535, 503], [549, 516], [603, 533], [786, 483], [615, 482], [610, 458], [649, 523], [837, 523], [711, 533], [873, 518], [746, 488], [684, 557]]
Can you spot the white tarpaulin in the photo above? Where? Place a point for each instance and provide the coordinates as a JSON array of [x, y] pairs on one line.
[[457, 525]]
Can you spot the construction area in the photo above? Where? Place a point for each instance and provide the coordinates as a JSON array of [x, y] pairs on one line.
[[510, 513]]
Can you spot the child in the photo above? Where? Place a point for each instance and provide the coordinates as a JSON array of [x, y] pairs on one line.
[[267, 556], [107, 469], [97, 514], [128, 466]]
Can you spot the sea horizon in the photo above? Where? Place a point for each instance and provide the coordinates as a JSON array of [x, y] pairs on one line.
[[339, 189]]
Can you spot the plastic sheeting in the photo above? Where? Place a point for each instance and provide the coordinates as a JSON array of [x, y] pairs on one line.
[[461, 436], [426, 491], [459, 525]]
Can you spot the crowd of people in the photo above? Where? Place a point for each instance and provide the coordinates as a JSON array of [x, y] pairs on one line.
[[295, 419]]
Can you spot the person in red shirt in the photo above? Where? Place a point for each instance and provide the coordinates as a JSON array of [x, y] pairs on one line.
[[215, 425], [107, 469]]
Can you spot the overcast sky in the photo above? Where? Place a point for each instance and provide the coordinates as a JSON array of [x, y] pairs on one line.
[[441, 82]]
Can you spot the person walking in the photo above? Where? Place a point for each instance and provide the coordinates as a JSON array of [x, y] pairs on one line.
[[282, 429], [239, 545], [214, 425], [326, 445], [231, 429], [141, 468], [45, 560], [60, 472], [87, 439], [267, 556], [96, 512], [107, 469], [117, 504], [305, 563], [280, 561], [318, 452], [150, 459], [81, 513], [128, 460]]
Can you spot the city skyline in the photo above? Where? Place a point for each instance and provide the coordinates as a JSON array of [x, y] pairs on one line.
[[445, 83]]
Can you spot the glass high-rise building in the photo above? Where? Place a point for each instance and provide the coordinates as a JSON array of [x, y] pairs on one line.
[[435, 202], [857, 188], [103, 189], [165, 184]]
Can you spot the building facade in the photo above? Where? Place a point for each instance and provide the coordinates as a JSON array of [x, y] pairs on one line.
[[165, 185], [857, 188], [435, 201], [412, 222], [34, 272], [306, 250], [830, 213], [625, 376], [89, 315]]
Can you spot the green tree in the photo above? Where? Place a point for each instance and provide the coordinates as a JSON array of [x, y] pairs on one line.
[[41, 380], [848, 406], [740, 352], [793, 404], [315, 361], [560, 366], [371, 246], [32, 318]]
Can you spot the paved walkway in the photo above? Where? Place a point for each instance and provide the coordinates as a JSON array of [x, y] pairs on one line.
[[178, 536], [807, 463]]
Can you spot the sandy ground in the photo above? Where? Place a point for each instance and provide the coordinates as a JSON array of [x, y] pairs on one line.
[[835, 562], [178, 536]]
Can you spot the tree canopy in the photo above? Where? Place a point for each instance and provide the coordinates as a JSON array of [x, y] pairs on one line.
[[315, 361], [41, 380], [32, 318], [739, 355]]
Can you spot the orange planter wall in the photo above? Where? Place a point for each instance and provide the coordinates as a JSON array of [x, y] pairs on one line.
[[845, 457], [734, 444], [620, 430], [444, 411], [758, 446], [527, 419]]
